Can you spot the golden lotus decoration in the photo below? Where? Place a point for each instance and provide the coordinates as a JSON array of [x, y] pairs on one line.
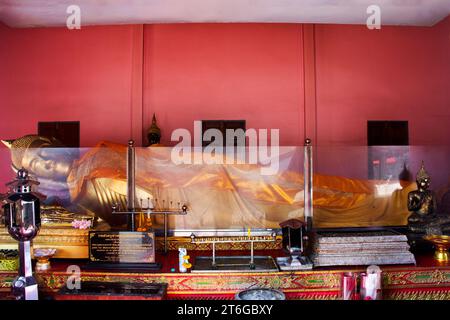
[[43, 257], [442, 244]]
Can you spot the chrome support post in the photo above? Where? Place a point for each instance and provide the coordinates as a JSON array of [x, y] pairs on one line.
[[308, 184], [131, 184]]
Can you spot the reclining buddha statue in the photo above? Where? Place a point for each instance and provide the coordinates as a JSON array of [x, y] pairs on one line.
[[47, 159], [91, 181]]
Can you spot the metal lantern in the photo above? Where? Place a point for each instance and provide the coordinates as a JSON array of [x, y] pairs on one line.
[[23, 220], [296, 242], [294, 236]]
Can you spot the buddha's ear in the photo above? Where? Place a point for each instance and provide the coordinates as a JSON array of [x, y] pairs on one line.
[[8, 143]]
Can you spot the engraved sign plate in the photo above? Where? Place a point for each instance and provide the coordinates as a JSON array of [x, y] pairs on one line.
[[121, 247]]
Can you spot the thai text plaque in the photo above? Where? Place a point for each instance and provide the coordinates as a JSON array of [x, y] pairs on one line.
[[121, 247]]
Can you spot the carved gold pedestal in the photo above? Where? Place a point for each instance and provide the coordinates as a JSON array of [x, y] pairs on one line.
[[442, 244], [69, 243]]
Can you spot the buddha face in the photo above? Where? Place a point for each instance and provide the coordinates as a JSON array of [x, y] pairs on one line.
[[423, 184], [153, 138], [43, 157], [48, 163]]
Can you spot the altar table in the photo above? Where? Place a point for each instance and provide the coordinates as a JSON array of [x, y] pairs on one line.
[[427, 280]]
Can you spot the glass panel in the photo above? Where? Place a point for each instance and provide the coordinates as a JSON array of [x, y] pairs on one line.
[[369, 186], [222, 195], [352, 186]]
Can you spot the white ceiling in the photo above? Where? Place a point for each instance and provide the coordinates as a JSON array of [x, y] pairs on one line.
[[37, 13]]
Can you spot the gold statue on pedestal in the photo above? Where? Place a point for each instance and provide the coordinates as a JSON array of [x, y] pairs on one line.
[[422, 203]]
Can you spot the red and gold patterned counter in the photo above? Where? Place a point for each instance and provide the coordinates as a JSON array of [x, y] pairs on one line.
[[427, 280]]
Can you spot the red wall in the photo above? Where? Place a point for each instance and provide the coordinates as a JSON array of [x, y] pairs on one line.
[[396, 73], [191, 72], [225, 71], [55, 74], [229, 71]]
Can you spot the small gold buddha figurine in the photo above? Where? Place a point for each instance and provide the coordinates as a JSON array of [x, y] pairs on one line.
[[422, 203]]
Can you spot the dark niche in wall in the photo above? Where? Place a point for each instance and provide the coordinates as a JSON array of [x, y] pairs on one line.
[[67, 132], [388, 143], [222, 126]]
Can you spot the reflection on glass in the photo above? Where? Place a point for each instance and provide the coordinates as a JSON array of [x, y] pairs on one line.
[[222, 196]]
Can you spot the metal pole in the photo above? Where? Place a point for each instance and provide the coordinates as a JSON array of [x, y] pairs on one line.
[[25, 258], [301, 239], [165, 232], [308, 183], [214, 254], [24, 286], [131, 184]]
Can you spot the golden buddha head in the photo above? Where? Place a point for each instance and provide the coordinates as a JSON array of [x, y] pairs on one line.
[[41, 156], [423, 178], [154, 133]]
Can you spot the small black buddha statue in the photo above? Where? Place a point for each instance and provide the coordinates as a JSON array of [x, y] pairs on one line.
[[422, 203], [154, 133]]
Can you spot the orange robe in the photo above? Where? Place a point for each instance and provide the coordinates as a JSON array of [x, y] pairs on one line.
[[229, 196]]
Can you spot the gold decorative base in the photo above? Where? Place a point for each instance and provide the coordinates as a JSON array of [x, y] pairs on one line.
[[442, 244], [43, 264], [441, 255], [69, 243]]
